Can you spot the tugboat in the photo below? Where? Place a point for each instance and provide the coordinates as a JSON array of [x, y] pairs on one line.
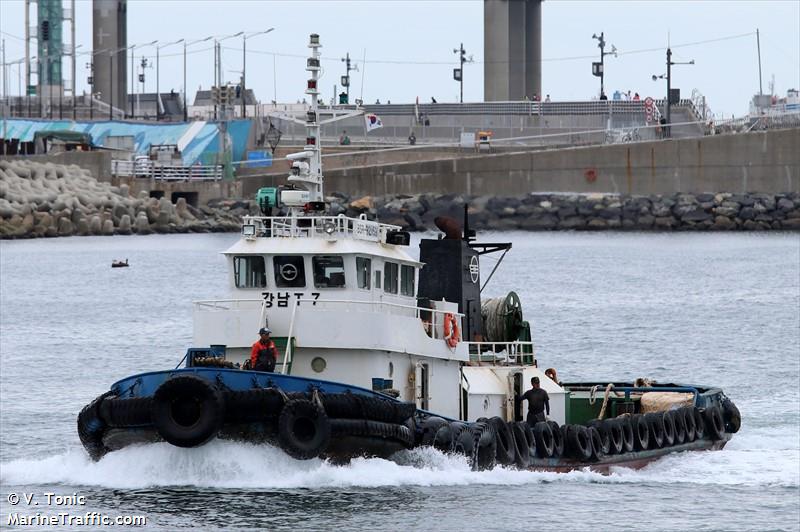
[[382, 352]]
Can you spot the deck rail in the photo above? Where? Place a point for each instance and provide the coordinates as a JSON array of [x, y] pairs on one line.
[[517, 352], [331, 227]]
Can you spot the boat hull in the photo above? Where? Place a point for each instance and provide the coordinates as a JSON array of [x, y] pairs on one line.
[[631, 460]]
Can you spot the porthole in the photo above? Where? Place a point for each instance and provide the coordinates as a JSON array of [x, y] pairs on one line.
[[318, 364]]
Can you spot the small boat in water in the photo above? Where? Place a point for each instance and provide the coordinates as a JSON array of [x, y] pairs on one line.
[[383, 352], [119, 263]]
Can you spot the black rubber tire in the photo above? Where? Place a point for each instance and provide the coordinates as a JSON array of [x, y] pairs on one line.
[[626, 425], [597, 444], [128, 412], [531, 439], [354, 406], [544, 439], [688, 422], [669, 429], [699, 423], [187, 410], [522, 457], [605, 435], [443, 439], [304, 430], [579, 446], [429, 427], [373, 429], [714, 423], [680, 426], [248, 406], [731, 416], [615, 433], [91, 428], [558, 439], [484, 447], [464, 442], [506, 450], [655, 420], [641, 432]]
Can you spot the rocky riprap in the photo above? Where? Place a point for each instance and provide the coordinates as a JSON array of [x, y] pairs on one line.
[[543, 212], [47, 200]]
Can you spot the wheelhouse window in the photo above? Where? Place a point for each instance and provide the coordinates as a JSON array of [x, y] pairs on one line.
[[328, 271], [363, 272], [249, 272], [290, 271], [378, 279], [390, 277], [407, 280]]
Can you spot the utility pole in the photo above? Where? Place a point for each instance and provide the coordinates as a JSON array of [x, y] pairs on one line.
[[670, 62], [669, 86], [346, 78], [458, 73], [758, 43], [598, 69]]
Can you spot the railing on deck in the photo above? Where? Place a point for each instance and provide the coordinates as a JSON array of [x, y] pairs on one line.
[[322, 226], [433, 327], [502, 353]]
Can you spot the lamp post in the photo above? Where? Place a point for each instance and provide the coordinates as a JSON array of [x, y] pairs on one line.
[[133, 68], [458, 74], [158, 69], [218, 62], [598, 68], [185, 44], [244, 66], [668, 77]]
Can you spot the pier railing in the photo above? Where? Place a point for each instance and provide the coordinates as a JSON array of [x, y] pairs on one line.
[[154, 170]]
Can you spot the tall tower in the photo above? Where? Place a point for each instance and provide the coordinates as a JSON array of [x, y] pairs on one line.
[[109, 55], [512, 49]]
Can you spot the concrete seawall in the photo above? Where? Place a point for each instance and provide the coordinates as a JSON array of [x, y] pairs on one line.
[[763, 162]]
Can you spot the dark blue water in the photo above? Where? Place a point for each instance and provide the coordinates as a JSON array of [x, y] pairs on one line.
[[718, 309]]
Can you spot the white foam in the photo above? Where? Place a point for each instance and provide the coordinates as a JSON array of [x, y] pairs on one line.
[[223, 464]]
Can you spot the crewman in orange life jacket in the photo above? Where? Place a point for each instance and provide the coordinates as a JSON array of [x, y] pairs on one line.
[[264, 354]]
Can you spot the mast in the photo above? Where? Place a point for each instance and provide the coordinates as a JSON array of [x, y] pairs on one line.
[[307, 165]]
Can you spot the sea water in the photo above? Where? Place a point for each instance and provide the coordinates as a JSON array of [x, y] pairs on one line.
[[721, 309]]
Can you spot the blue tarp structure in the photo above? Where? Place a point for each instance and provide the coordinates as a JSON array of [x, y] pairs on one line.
[[199, 141]]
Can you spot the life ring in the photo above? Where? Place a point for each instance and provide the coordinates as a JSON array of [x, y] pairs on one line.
[[452, 335], [187, 410]]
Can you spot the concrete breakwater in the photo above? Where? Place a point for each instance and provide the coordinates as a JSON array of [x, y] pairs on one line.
[[48, 200], [542, 212]]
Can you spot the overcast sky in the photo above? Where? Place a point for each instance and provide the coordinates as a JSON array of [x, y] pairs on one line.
[[409, 46]]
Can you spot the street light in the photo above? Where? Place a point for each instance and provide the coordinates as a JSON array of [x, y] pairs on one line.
[[597, 68], [185, 44], [133, 68], [668, 77], [244, 65], [458, 73], [158, 92]]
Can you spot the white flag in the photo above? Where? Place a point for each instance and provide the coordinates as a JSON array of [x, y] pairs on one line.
[[372, 122]]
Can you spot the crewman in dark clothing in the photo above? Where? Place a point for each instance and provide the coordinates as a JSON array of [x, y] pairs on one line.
[[263, 354], [538, 402]]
